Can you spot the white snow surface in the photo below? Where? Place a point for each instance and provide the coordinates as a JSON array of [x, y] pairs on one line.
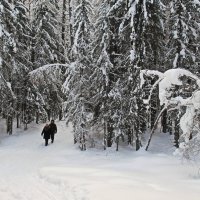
[[60, 171]]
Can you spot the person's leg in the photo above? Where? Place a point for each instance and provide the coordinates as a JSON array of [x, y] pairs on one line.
[[52, 138], [46, 142]]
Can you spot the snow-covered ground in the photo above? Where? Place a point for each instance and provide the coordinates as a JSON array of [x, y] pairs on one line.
[[31, 171]]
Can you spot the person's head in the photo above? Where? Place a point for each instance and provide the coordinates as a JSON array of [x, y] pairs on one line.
[[52, 121], [46, 125]]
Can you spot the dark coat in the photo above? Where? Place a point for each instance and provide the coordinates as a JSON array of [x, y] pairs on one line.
[[46, 133], [52, 128]]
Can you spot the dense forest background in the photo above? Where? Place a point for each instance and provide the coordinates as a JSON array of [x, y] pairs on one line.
[[114, 68]]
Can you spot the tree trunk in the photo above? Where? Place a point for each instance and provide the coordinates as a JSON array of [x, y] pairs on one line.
[[176, 133], [75, 136], [25, 121], [9, 125], [18, 120], [170, 125], [33, 48], [152, 112], [64, 12], [117, 143], [130, 136], [109, 134], [49, 114], [70, 27], [37, 118], [82, 141], [60, 114], [164, 121], [155, 124], [137, 142], [105, 134]]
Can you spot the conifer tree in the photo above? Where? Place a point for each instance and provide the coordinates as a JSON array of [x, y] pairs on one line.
[[23, 63], [143, 22], [108, 71], [78, 96], [7, 61], [8, 44], [47, 48], [47, 43], [183, 43], [102, 71], [182, 46]]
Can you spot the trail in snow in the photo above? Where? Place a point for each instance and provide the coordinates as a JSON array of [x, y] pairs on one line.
[[31, 171]]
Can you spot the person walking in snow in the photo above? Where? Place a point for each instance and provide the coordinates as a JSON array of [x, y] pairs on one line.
[[46, 134], [53, 130]]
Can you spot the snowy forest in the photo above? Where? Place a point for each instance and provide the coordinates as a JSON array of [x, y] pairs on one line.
[[115, 69]]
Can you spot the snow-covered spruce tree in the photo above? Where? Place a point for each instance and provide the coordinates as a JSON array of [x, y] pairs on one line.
[[8, 50], [67, 25], [119, 50], [183, 43], [22, 35], [22, 61], [108, 71], [143, 23], [21, 64], [150, 17], [47, 47], [181, 50], [7, 98], [101, 75], [66, 22], [64, 19], [78, 90], [16, 56], [123, 27], [135, 60], [154, 48], [8, 44]]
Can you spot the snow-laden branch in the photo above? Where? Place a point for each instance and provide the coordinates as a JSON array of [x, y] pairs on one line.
[[167, 81], [172, 78], [48, 68], [52, 72], [154, 126]]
